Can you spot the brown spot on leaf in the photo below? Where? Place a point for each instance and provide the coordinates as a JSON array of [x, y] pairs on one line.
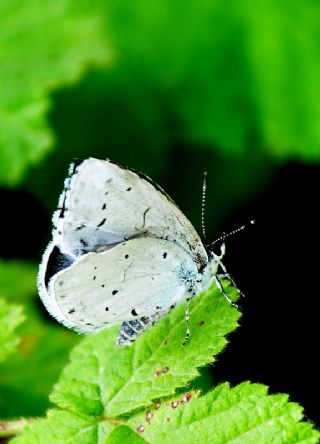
[[174, 404], [186, 398], [149, 415]]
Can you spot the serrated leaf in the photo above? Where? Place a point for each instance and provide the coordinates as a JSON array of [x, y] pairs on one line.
[[245, 414], [10, 317], [134, 394], [28, 376], [126, 377], [104, 382], [42, 47]]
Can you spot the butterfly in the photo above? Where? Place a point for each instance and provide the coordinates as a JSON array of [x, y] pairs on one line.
[[122, 252]]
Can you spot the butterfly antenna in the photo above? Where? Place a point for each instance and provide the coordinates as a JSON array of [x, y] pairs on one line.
[[231, 233], [203, 205]]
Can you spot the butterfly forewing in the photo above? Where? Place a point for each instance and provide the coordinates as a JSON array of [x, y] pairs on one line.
[[105, 204]]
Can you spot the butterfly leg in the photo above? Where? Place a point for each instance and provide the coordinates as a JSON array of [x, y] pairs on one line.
[[226, 275], [219, 285], [187, 323], [129, 330]]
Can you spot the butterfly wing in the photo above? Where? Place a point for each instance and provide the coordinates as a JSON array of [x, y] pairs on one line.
[[142, 277], [104, 204]]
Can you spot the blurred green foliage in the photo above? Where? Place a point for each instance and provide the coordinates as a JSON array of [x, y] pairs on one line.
[[234, 76], [41, 47], [232, 87], [27, 377], [167, 87], [10, 317], [232, 72]]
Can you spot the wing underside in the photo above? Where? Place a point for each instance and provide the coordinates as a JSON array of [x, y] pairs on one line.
[[136, 278], [104, 204]]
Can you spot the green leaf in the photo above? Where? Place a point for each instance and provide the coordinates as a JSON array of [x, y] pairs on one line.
[[142, 393], [43, 348], [104, 382], [10, 317], [125, 378], [63, 427], [43, 46], [244, 414], [124, 434]]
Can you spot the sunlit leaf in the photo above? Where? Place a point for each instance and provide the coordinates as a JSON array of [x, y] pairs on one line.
[[42, 46]]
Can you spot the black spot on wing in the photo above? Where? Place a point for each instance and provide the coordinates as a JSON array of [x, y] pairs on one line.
[[134, 313], [164, 255], [104, 206], [101, 223], [83, 242], [63, 208], [115, 292]]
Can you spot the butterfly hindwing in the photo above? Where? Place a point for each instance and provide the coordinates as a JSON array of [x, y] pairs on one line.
[[141, 277]]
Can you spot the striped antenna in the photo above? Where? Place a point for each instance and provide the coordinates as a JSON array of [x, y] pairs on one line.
[[231, 233], [203, 205]]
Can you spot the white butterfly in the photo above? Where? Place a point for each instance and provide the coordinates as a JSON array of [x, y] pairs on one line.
[[122, 252]]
